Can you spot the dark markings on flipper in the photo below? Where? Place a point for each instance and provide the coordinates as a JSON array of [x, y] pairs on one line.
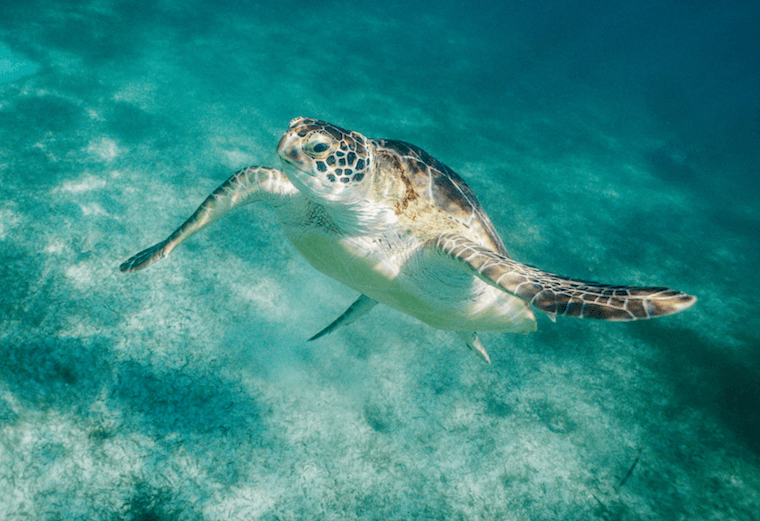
[[145, 258], [559, 295], [245, 186]]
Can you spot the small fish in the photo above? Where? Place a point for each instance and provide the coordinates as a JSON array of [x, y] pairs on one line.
[[630, 470]]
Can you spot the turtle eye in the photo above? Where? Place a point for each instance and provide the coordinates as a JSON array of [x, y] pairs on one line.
[[317, 146]]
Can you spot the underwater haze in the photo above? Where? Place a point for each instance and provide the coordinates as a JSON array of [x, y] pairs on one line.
[[612, 141]]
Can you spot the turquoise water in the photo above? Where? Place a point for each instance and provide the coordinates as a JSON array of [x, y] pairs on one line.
[[619, 142]]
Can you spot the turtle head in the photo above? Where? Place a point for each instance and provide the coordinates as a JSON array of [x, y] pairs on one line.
[[330, 162]]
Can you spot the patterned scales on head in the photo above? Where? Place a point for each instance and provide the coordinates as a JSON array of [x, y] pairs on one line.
[[400, 227]]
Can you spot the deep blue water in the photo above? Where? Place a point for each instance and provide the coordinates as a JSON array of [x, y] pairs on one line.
[[619, 142]]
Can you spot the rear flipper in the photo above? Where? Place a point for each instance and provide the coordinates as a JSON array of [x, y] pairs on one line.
[[557, 295], [355, 311], [473, 342], [244, 187]]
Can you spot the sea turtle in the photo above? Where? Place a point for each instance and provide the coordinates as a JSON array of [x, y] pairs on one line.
[[392, 222]]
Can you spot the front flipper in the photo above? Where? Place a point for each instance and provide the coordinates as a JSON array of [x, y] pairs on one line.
[[355, 311], [244, 187], [557, 295]]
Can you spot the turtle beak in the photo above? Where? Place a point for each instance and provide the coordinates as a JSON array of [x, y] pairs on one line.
[[285, 148], [292, 158], [289, 150]]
